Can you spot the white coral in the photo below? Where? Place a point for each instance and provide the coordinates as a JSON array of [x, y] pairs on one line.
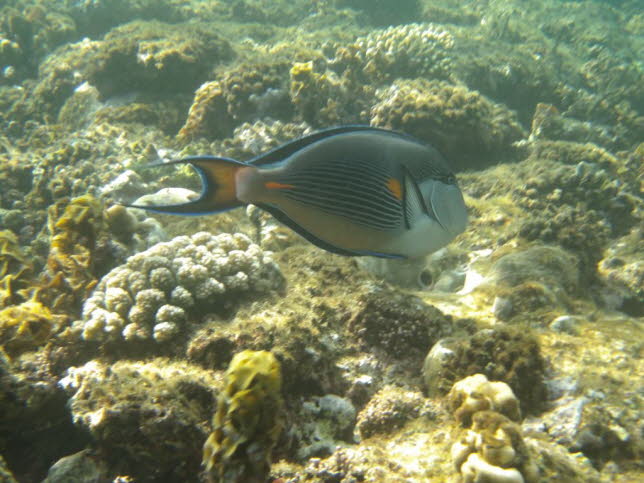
[[154, 292]]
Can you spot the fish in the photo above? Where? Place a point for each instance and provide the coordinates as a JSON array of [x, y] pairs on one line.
[[350, 190]]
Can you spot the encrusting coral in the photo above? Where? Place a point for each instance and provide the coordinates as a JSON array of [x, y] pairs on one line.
[[248, 420]]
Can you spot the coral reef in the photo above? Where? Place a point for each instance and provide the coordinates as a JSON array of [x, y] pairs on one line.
[[470, 130], [475, 393], [403, 51], [144, 415], [248, 92], [506, 354], [493, 450], [155, 294], [248, 420], [540, 109], [397, 325]]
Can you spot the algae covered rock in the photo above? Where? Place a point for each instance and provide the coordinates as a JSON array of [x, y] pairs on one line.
[[148, 418], [389, 409], [248, 420], [26, 326], [400, 326], [155, 57], [622, 271]]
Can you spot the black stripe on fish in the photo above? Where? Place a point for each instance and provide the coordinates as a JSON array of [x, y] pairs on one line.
[[365, 200]]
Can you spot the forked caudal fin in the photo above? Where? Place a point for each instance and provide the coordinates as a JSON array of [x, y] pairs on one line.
[[218, 192]]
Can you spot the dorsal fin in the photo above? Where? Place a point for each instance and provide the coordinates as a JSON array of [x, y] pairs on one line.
[[285, 150]]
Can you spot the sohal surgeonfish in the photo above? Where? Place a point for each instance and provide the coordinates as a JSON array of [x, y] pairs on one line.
[[354, 190]]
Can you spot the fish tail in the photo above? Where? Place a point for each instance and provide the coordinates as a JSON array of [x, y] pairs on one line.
[[218, 187]]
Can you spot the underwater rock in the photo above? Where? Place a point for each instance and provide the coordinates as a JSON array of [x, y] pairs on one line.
[[5, 473], [328, 422], [158, 292], [549, 124], [29, 33], [506, 354], [468, 129], [79, 109], [78, 467], [578, 207], [34, 417], [252, 139], [531, 283], [146, 418], [566, 323], [127, 185], [622, 272], [389, 409], [155, 57], [248, 420]]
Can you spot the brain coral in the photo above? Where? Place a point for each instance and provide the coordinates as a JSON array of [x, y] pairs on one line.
[[155, 292]]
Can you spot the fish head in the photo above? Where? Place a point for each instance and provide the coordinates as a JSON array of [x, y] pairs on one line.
[[444, 199]]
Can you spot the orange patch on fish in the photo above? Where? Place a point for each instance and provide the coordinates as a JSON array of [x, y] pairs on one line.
[[273, 185], [395, 187]]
